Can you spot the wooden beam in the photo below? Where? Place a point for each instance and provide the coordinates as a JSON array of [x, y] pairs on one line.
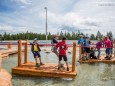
[[23, 41], [26, 52], [74, 57], [19, 52]]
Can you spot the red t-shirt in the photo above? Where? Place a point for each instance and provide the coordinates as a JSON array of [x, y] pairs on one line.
[[108, 43], [62, 48]]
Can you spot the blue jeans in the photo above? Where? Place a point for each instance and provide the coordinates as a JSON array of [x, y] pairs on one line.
[[99, 51], [108, 51], [111, 51]]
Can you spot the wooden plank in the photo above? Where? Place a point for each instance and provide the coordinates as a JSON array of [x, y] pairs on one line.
[[47, 70]]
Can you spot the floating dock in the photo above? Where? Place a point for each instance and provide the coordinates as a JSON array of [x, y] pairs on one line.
[[4, 52], [102, 59], [7, 52], [47, 70]]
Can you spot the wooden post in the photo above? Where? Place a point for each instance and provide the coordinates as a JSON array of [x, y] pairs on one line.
[[19, 52], [26, 52], [0, 62], [9, 45], [80, 52], [74, 57]]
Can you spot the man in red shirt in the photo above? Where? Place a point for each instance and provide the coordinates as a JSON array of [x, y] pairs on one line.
[[62, 52]]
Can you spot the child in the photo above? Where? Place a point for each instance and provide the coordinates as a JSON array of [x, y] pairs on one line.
[[98, 46], [108, 45], [54, 49], [92, 53], [87, 47], [36, 52], [54, 41], [62, 52], [81, 42]]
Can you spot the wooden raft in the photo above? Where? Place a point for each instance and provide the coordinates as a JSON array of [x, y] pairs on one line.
[[101, 60], [47, 70]]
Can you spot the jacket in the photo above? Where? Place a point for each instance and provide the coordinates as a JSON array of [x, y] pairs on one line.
[[32, 47]]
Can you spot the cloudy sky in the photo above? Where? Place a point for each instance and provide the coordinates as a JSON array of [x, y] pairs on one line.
[[87, 16]]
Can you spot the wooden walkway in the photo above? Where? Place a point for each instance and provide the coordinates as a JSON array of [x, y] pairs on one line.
[[47, 70]]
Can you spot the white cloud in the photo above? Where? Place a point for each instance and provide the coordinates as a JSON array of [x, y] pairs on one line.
[[82, 14], [22, 1]]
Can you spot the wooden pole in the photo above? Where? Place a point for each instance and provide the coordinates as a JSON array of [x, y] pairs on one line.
[[19, 52], [74, 57], [9, 45], [80, 51], [26, 52], [0, 62]]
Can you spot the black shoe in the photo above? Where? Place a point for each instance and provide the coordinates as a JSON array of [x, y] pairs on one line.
[[41, 63], [108, 58], [58, 68], [37, 65], [67, 68]]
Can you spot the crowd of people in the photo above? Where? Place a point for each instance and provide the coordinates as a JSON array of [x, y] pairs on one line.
[[88, 51]]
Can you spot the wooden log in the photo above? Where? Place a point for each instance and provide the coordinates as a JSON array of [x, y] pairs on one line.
[[26, 53], [19, 52], [74, 57]]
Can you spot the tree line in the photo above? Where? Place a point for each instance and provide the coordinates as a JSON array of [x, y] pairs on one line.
[[40, 36]]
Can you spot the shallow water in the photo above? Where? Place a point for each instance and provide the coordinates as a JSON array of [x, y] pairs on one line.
[[96, 74]]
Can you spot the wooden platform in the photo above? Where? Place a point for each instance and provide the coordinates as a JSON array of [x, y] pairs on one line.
[[47, 70], [102, 59]]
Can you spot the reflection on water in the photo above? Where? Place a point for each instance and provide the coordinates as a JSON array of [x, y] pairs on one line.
[[93, 74]]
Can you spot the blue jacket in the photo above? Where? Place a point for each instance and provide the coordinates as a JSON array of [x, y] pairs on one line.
[[81, 41]]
